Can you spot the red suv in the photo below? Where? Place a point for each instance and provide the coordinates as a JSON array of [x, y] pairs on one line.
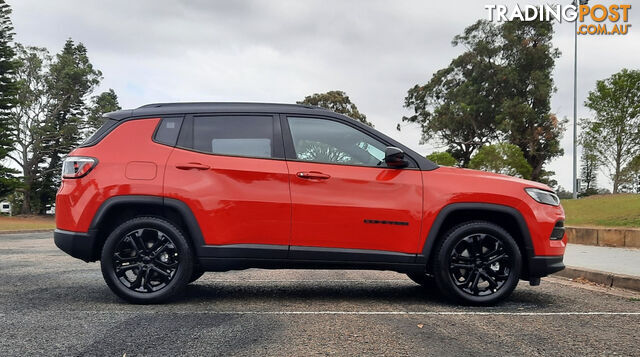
[[162, 193]]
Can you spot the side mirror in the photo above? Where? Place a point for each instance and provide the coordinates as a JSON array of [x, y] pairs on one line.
[[394, 157]]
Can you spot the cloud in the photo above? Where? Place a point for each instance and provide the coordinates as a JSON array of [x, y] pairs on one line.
[[280, 51]]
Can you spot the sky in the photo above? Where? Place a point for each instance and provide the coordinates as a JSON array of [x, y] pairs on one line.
[[280, 51]]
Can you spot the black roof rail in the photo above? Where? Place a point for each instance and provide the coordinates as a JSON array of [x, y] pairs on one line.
[[197, 104]]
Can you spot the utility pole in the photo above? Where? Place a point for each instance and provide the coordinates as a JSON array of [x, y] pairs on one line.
[[575, 99]]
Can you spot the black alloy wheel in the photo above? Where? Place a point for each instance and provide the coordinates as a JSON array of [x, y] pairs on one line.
[[146, 260], [477, 263]]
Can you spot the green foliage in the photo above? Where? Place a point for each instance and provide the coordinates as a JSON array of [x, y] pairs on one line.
[[614, 132], [28, 117], [525, 113], [337, 101], [498, 89], [563, 193], [8, 98], [457, 106], [100, 104], [71, 79], [442, 158], [503, 158], [49, 117], [630, 176], [43, 113], [589, 170]]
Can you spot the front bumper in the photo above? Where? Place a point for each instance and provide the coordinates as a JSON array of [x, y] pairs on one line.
[[540, 266], [77, 245]]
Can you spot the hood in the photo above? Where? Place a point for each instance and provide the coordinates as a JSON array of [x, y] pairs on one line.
[[493, 176]]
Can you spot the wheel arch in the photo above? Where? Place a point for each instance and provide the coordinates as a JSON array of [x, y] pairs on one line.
[[115, 210], [506, 217]]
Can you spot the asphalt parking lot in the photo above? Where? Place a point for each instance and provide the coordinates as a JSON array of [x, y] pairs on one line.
[[52, 304]]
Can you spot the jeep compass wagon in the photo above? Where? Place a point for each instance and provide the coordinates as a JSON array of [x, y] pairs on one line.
[[165, 192]]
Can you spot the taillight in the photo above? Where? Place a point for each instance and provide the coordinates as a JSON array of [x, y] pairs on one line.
[[77, 166]]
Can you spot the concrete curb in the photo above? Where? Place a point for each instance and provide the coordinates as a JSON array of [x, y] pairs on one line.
[[26, 231], [622, 281], [604, 237]]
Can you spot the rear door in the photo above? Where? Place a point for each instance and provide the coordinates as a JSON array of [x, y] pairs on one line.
[[230, 170], [343, 195]]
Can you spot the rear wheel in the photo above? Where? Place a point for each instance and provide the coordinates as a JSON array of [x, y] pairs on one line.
[[477, 263], [146, 260]]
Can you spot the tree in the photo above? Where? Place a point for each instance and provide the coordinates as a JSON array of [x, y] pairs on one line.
[[615, 128], [71, 79], [28, 118], [337, 101], [589, 169], [442, 158], [503, 158], [103, 103], [458, 106], [498, 90], [630, 176], [8, 98], [49, 119], [528, 84]]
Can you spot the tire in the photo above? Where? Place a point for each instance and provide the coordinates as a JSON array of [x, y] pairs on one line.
[[197, 273], [146, 260], [477, 263], [426, 281]]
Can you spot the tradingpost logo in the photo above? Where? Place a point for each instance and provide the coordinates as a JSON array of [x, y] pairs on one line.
[[596, 19]]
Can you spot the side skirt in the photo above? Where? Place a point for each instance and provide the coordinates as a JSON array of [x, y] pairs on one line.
[[246, 256], [226, 264]]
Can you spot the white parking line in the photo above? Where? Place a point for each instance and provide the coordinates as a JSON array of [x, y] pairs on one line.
[[308, 281], [421, 313], [374, 313]]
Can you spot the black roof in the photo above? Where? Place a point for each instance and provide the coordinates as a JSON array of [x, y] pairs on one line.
[[214, 107]]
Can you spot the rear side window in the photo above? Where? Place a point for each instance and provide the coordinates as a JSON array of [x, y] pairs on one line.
[[250, 136], [168, 131]]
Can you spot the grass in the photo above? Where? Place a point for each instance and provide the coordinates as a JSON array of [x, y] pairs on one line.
[[24, 223], [603, 211]]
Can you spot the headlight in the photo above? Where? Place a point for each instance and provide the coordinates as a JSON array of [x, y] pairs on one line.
[[542, 196]]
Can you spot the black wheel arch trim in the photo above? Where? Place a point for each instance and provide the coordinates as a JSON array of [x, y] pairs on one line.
[[446, 211]]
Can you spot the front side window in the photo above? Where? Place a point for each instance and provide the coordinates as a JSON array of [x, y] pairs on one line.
[[250, 136], [328, 141]]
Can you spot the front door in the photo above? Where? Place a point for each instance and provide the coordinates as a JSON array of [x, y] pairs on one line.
[[342, 193]]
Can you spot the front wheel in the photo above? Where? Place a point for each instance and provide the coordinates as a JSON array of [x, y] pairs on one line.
[[146, 260], [477, 263]]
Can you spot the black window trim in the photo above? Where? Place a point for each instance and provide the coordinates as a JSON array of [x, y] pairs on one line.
[[185, 142], [290, 152]]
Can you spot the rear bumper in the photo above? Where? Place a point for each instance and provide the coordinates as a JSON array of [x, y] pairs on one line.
[[540, 266], [77, 245]]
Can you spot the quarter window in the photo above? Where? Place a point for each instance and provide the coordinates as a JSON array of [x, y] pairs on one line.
[[327, 141], [250, 136], [168, 131]]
